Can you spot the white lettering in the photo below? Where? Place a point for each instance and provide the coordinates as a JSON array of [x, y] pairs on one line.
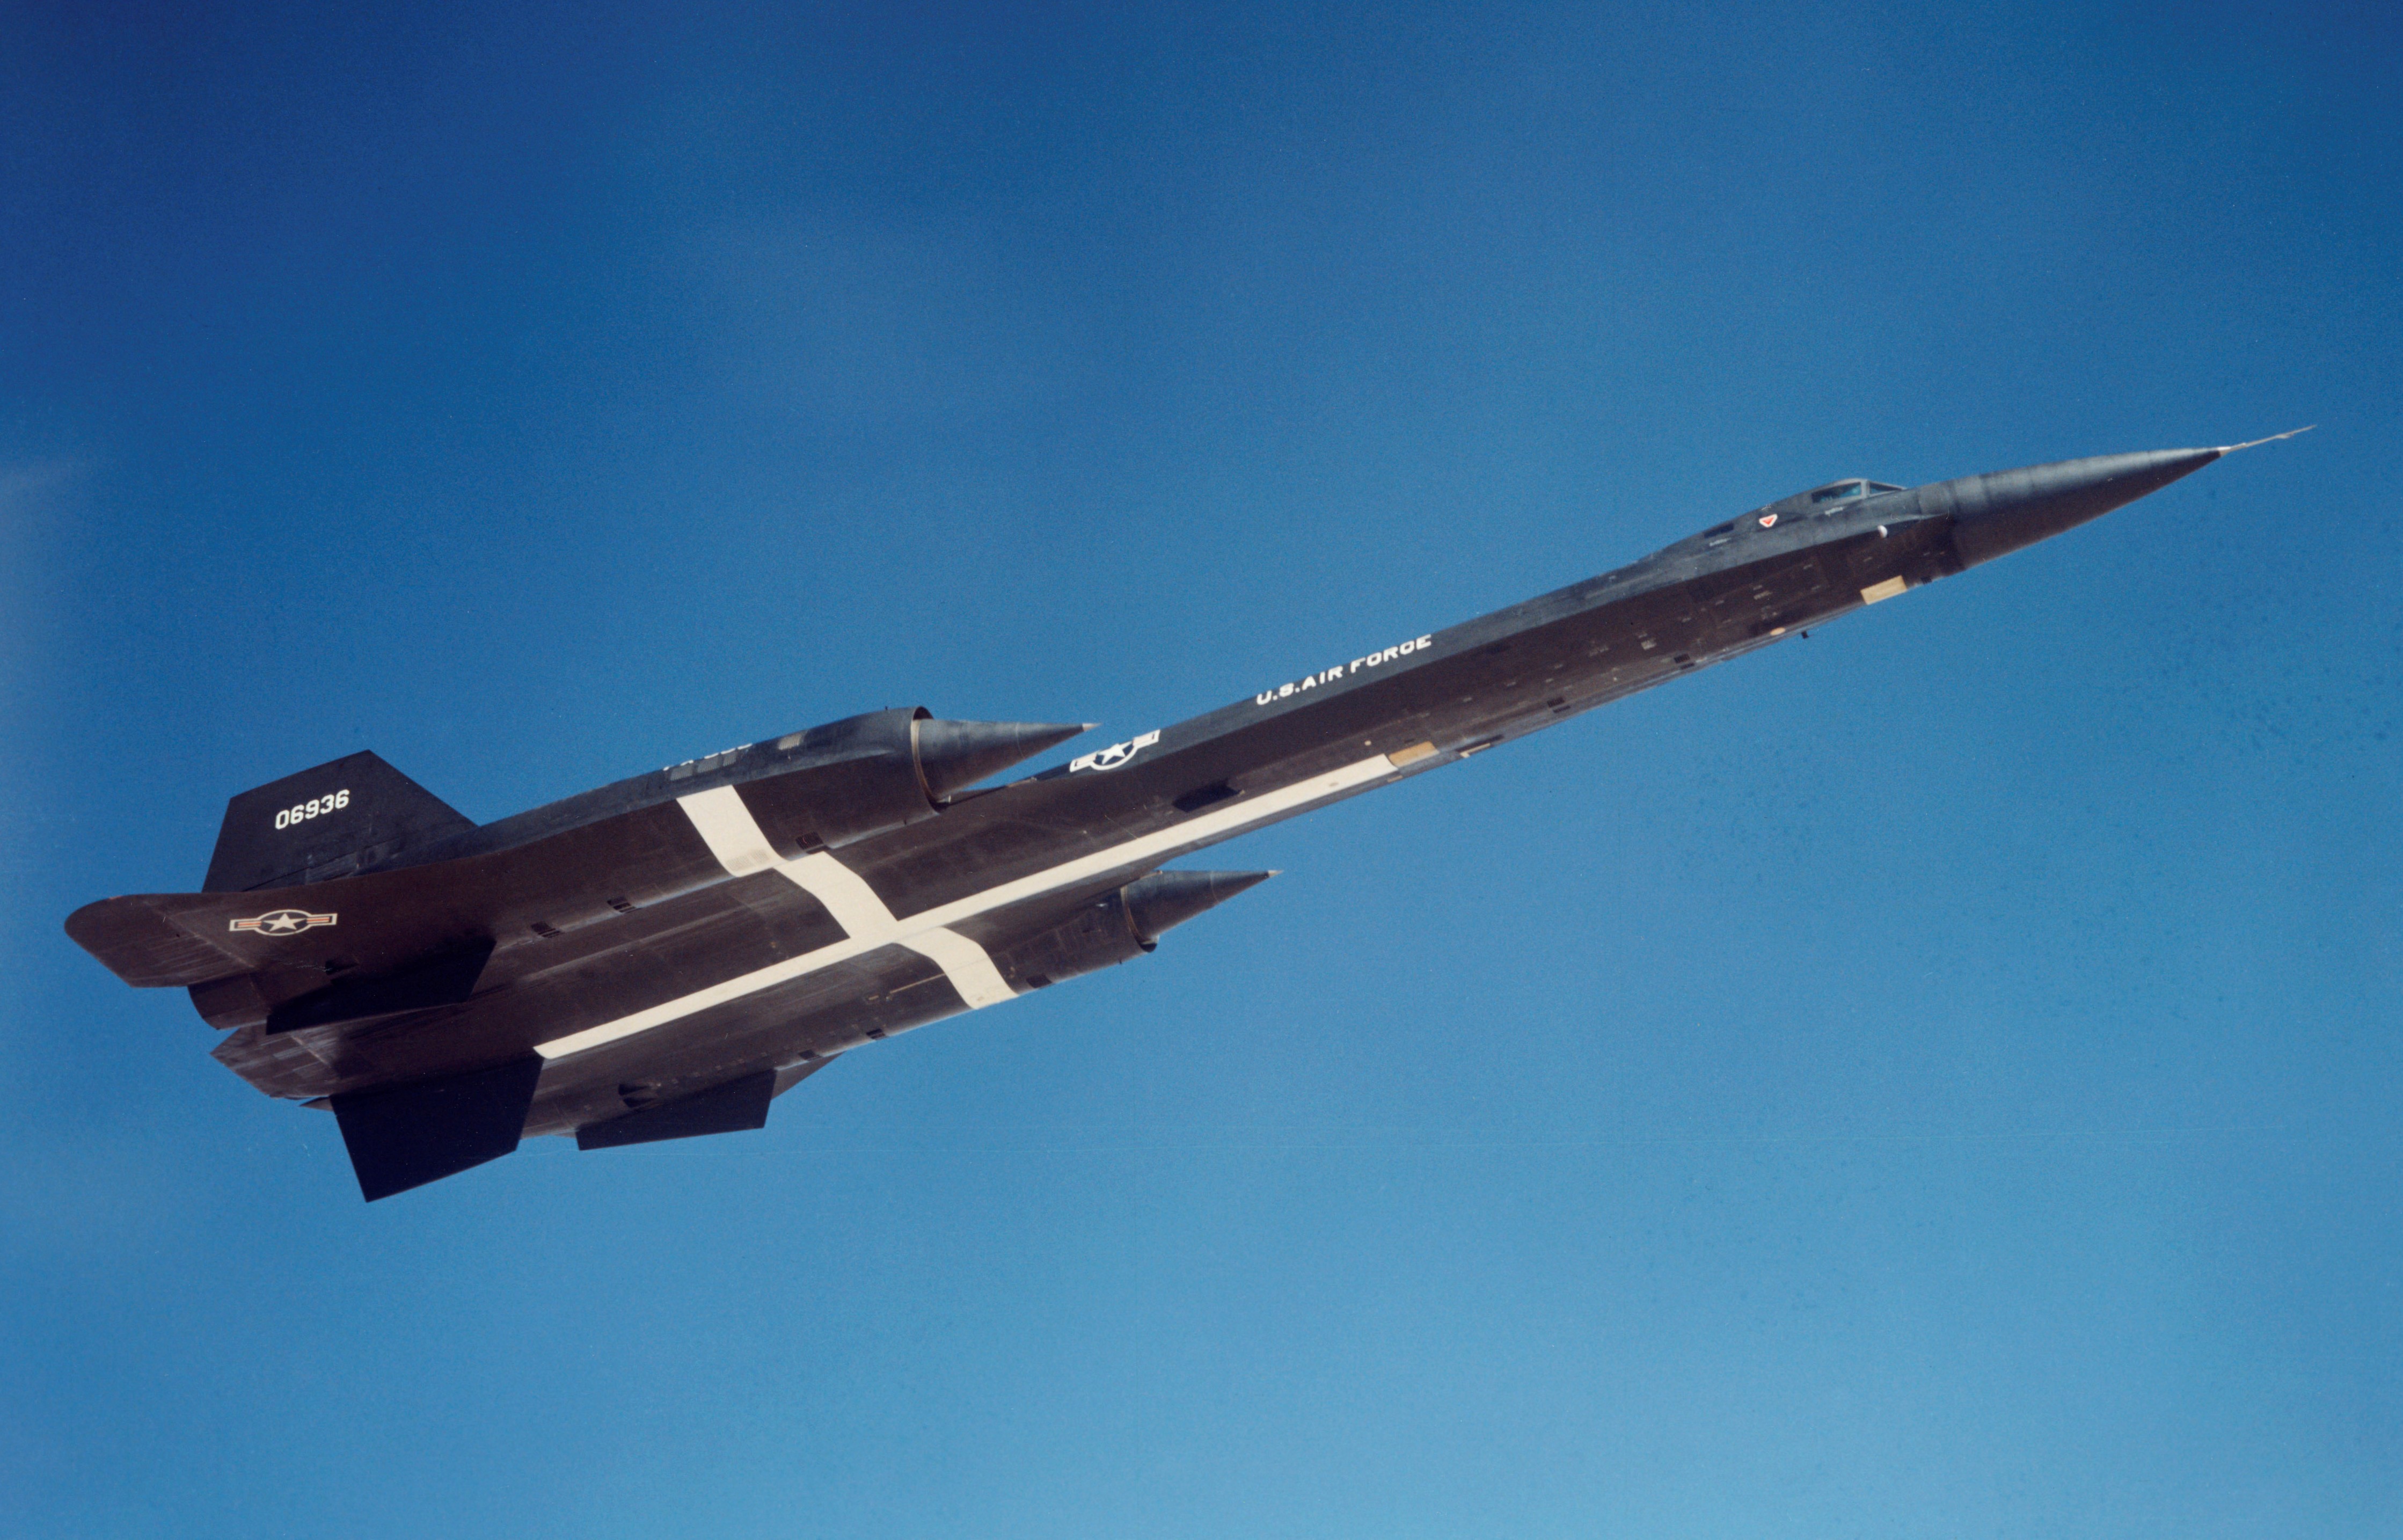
[[1328, 676], [316, 806]]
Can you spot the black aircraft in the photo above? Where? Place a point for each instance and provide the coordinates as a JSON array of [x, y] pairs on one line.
[[662, 957]]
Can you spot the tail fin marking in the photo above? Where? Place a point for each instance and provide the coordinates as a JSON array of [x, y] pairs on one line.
[[323, 822]]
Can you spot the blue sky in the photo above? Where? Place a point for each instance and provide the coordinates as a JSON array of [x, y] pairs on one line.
[[1939, 1078]]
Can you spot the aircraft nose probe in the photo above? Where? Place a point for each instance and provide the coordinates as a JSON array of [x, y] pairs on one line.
[[2004, 511]]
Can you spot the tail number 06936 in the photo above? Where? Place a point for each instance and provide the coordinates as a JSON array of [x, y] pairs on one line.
[[316, 806]]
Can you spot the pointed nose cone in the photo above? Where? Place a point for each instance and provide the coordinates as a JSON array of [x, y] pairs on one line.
[[1166, 898], [1998, 514], [951, 754]]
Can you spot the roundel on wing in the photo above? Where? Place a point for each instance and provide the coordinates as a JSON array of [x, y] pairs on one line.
[[282, 922]]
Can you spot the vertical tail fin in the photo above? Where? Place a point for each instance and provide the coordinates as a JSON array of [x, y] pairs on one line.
[[403, 1137], [327, 822]]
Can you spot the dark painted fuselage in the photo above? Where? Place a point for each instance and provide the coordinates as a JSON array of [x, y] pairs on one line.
[[721, 968]]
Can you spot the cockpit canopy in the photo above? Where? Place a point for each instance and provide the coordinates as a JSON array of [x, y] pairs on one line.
[[1841, 490], [1820, 502]]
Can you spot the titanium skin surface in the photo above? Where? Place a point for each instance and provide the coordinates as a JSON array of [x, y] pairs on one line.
[[662, 957]]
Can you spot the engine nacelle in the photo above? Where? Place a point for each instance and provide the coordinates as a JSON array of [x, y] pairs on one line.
[[845, 780], [1118, 925], [830, 785]]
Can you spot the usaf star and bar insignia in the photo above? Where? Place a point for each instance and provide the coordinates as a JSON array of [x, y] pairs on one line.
[[282, 922]]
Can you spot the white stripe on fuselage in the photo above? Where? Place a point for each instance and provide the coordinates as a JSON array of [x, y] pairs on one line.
[[720, 817], [723, 820], [927, 933], [967, 966]]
